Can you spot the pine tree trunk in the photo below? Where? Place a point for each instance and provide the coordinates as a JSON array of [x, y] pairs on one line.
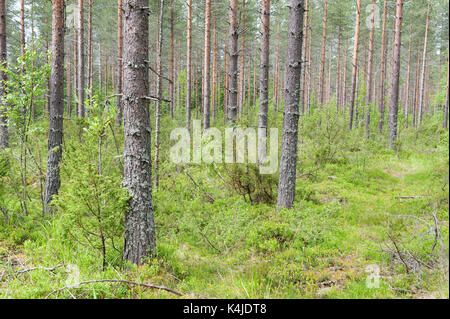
[[446, 99], [408, 78], [234, 55], [424, 65], [90, 54], [264, 79], [276, 77], [214, 75], [383, 72], [56, 111], [288, 165], [242, 65], [4, 135], [119, 118], [139, 221], [69, 84], [355, 63], [339, 70], [393, 104], [81, 59], [189, 65], [22, 27], [322, 57], [172, 60], [369, 97], [206, 83]]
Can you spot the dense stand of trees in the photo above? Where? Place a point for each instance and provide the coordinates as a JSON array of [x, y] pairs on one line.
[[140, 61]]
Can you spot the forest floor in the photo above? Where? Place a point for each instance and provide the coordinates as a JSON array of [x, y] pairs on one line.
[[371, 224]]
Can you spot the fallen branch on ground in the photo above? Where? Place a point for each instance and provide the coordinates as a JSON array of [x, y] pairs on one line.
[[117, 281], [38, 268]]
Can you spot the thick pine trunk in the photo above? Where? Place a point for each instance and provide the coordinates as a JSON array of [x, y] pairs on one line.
[[4, 135], [355, 64], [56, 111], [139, 222], [288, 165], [393, 104], [264, 78], [233, 68]]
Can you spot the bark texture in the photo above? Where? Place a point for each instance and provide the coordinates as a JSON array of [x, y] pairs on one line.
[[288, 165], [233, 67], [207, 68], [393, 103], [56, 111], [4, 136], [139, 223], [355, 63]]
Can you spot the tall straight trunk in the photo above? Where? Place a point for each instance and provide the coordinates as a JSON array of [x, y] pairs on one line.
[[189, 65], [446, 99], [255, 86], [69, 84], [225, 80], [322, 56], [289, 148], [416, 90], [56, 111], [119, 118], [214, 75], [393, 104], [305, 59], [81, 59], [241, 90], [355, 63], [408, 78], [276, 77], [139, 220], [90, 54], [22, 27], [424, 65], [339, 70], [158, 90], [234, 55], [369, 87], [106, 75], [264, 79], [4, 135], [344, 80], [383, 72], [309, 77], [206, 83], [172, 60]]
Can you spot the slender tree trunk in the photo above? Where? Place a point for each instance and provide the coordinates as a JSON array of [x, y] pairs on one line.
[[393, 104], [288, 165], [416, 91], [22, 27], [242, 65], [158, 91], [408, 78], [446, 99], [189, 65], [424, 65], [322, 56], [305, 59], [139, 220], [234, 55], [90, 54], [172, 60], [69, 84], [369, 97], [81, 59], [276, 77], [339, 70], [206, 83], [383, 53], [264, 79], [214, 76], [355, 63], [4, 135], [56, 111], [119, 118]]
